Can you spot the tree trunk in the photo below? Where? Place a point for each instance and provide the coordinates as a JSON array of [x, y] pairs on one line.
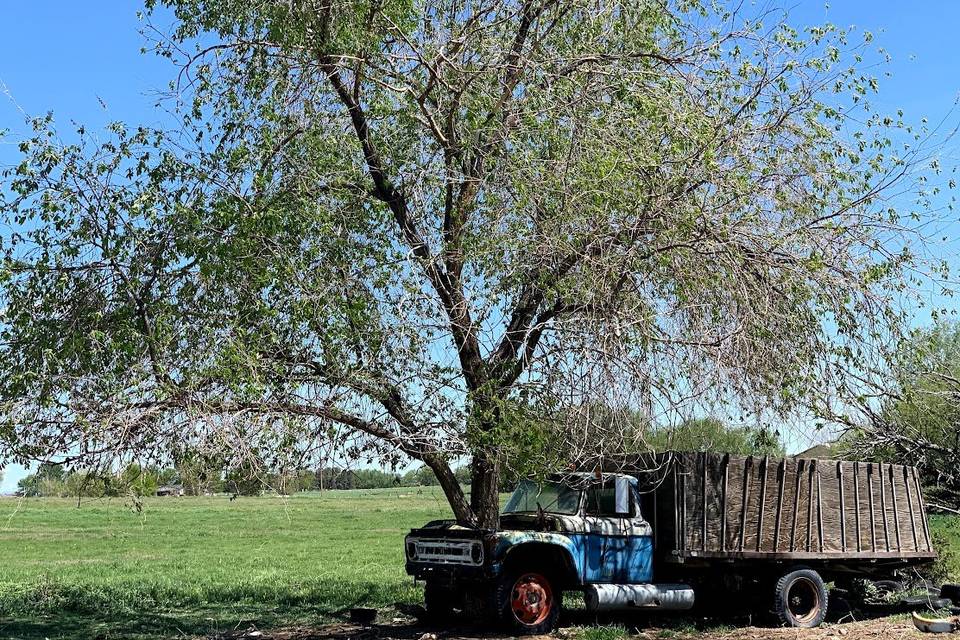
[[484, 493], [452, 490]]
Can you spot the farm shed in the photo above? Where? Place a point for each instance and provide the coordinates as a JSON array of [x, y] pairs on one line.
[[170, 490]]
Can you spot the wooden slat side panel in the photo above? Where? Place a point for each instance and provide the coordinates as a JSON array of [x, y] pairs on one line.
[[692, 483], [883, 487], [752, 473], [880, 530], [731, 531], [781, 485], [923, 510], [848, 540], [914, 538], [896, 494], [766, 511], [857, 509], [714, 507], [829, 504], [906, 510], [717, 504], [805, 513], [868, 527], [777, 497]]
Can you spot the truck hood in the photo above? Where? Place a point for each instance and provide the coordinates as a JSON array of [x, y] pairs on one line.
[[509, 522], [447, 529]]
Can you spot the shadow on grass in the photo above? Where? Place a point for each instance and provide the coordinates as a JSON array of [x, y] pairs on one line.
[[67, 614], [113, 625], [722, 616], [322, 613]]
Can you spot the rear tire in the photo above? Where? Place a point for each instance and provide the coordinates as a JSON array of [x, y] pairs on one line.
[[800, 599], [527, 602]]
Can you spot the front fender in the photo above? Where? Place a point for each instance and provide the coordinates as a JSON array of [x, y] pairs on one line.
[[508, 543]]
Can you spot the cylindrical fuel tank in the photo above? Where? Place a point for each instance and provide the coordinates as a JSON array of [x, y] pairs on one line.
[[612, 597]]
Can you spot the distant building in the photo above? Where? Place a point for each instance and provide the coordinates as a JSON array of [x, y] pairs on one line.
[[170, 490], [819, 452]]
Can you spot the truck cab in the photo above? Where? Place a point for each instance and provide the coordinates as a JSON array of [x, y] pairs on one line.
[[573, 532]]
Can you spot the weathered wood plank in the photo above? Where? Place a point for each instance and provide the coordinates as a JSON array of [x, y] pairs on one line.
[[711, 518]]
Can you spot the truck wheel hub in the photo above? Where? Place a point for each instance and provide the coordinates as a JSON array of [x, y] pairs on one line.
[[804, 600], [531, 599]]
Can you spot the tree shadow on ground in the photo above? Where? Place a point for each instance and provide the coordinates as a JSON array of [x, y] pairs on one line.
[[73, 617], [724, 615], [305, 622], [128, 626], [151, 623], [664, 624]]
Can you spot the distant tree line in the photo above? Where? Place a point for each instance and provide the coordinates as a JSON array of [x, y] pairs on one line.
[[196, 474], [53, 480]]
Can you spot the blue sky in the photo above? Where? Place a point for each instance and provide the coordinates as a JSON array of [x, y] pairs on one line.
[[82, 60]]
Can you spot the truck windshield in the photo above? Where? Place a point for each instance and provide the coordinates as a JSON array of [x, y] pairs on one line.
[[554, 497]]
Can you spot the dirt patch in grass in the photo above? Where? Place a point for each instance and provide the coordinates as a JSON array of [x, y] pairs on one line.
[[895, 628]]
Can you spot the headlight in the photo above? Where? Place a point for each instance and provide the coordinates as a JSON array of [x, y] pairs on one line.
[[412, 550], [476, 552]]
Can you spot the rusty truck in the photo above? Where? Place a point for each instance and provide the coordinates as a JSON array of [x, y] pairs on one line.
[[659, 532]]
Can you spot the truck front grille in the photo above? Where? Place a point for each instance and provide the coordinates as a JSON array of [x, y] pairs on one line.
[[444, 551]]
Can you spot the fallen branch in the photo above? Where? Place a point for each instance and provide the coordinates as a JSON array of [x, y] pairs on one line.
[[940, 507]]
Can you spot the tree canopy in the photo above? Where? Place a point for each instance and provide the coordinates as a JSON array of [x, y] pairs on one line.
[[437, 229], [711, 434]]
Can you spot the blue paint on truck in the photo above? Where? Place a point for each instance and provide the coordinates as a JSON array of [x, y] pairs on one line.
[[578, 531]]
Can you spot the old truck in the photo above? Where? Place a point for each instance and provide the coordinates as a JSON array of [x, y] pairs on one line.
[[660, 532]]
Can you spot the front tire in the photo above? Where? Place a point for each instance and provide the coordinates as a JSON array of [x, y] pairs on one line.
[[528, 602], [800, 599], [439, 602]]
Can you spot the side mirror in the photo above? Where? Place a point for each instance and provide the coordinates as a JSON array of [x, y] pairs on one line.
[[622, 499]]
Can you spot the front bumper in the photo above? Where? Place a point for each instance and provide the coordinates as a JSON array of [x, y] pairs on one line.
[[453, 573]]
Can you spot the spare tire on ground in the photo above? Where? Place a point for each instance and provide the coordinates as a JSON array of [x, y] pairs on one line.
[[887, 587], [925, 602], [840, 604], [951, 591]]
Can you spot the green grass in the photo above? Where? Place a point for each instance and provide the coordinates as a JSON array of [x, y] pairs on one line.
[[195, 565], [946, 535], [603, 632]]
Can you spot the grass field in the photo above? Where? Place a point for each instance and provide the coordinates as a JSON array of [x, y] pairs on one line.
[[196, 565], [192, 566]]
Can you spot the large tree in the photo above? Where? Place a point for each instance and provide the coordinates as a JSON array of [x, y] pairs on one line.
[[440, 229]]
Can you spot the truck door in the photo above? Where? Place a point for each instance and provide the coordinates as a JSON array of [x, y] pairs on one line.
[[639, 563], [618, 541]]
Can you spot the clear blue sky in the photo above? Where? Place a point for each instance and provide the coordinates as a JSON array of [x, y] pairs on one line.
[[82, 60]]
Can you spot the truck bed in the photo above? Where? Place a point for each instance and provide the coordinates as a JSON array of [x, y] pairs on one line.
[[705, 505]]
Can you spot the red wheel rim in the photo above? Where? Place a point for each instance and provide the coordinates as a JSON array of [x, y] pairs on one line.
[[531, 599]]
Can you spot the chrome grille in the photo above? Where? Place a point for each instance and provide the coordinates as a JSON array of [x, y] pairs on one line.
[[444, 551]]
